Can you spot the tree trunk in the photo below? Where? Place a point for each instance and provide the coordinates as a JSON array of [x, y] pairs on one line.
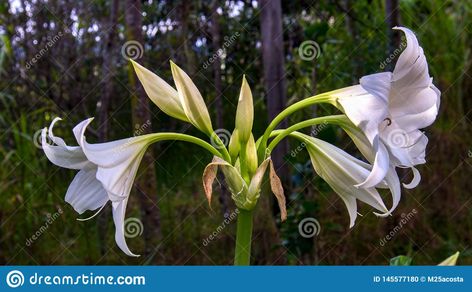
[[216, 44], [274, 77], [274, 83], [392, 19], [108, 72], [146, 178]]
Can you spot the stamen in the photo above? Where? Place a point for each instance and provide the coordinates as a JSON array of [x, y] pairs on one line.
[[85, 219], [389, 121]]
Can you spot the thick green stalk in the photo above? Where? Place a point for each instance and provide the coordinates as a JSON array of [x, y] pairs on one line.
[[324, 97], [242, 254], [156, 137]]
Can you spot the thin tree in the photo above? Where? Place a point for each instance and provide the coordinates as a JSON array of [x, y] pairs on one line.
[[274, 76], [146, 178], [216, 44], [103, 107]]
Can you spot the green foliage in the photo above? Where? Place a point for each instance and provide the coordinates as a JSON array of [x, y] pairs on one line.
[[400, 260]]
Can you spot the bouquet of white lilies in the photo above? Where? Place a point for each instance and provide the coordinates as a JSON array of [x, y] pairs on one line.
[[383, 116]]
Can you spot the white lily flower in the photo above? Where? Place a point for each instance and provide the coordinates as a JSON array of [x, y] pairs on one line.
[[342, 172], [391, 108], [107, 172]]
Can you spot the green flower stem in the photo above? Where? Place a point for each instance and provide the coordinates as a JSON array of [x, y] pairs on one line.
[[281, 134], [221, 147], [242, 254], [324, 97], [157, 137]]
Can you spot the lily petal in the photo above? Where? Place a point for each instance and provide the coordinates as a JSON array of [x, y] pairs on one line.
[[191, 100], [117, 161], [63, 156], [411, 69], [119, 211], [380, 167], [85, 192], [378, 84], [363, 109], [415, 181], [393, 183]]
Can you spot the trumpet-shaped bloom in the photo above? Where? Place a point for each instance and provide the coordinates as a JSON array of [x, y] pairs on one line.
[[342, 172], [107, 172], [391, 108]]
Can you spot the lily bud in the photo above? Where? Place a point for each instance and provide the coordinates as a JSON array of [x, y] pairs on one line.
[[244, 113], [160, 92], [234, 146], [191, 100], [245, 196], [251, 155]]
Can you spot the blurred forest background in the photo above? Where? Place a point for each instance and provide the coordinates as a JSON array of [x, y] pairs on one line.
[[69, 59]]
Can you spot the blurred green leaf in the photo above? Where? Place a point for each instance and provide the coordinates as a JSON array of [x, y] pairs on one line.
[[400, 260]]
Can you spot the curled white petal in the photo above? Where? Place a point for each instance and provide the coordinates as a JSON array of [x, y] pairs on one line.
[[380, 167], [415, 181]]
